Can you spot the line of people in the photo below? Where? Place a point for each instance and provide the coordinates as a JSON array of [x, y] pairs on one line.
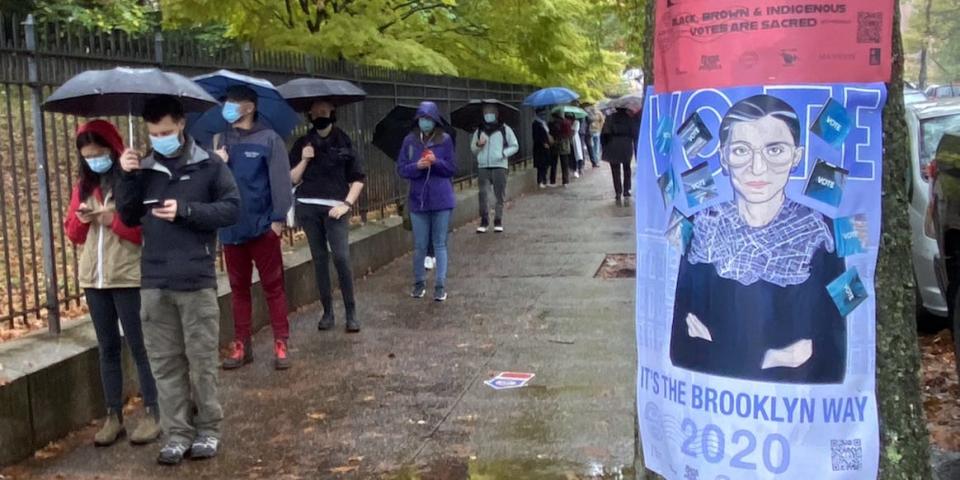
[[147, 225]]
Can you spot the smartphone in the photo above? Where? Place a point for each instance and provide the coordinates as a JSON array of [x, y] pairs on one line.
[[152, 203]]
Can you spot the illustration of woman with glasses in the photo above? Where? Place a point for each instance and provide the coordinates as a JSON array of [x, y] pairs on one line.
[[751, 297]]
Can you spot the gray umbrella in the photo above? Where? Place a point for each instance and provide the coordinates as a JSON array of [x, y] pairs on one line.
[[302, 92], [123, 91]]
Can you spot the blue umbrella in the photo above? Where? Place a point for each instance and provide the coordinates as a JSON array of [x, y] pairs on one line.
[[272, 108], [551, 96]]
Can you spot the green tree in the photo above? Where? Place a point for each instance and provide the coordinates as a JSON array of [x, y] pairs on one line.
[[904, 442], [132, 16], [932, 41]]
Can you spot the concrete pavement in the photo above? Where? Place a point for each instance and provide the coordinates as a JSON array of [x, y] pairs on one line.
[[406, 399]]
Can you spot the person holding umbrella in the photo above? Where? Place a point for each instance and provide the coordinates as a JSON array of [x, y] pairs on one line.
[[619, 142], [426, 160], [257, 157], [542, 144], [109, 273], [181, 195], [329, 178]]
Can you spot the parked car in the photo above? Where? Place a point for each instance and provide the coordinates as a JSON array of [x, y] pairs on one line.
[[912, 96], [942, 91], [944, 224], [926, 124]]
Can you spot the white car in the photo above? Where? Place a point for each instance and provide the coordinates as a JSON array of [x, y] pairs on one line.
[[926, 123]]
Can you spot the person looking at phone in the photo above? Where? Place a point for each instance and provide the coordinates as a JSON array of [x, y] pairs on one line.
[[109, 273], [181, 317]]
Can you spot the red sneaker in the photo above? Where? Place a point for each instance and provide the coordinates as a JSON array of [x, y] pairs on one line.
[[240, 355], [282, 361]]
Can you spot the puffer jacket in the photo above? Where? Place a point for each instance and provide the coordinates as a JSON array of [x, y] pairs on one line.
[[109, 256]]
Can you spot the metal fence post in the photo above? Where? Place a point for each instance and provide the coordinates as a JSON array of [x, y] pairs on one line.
[[158, 48], [40, 150], [247, 56]]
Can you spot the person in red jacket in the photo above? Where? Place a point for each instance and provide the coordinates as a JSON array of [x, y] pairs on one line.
[[109, 273]]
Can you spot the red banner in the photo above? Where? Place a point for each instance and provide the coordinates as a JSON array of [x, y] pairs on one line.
[[723, 43]]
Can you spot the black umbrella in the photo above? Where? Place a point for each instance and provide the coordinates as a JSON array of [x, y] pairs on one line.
[[469, 116], [302, 92], [392, 129]]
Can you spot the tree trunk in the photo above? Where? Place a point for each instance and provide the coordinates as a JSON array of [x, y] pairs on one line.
[[905, 453], [922, 81]]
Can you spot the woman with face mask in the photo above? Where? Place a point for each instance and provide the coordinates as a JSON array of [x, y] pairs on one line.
[[109, 273], [329, 178], [426, 160]]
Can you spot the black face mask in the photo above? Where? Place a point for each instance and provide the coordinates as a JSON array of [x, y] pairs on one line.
[[321, 123]]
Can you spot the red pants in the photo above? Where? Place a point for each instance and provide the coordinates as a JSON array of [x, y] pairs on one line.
[[264, 251]]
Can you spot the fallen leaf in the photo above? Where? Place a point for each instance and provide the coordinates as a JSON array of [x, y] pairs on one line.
[[369, 398], [317, 416], [344, 469], [354, 460]]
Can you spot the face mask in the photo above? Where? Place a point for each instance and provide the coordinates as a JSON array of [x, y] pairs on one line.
[[99, 164], [490, 117], [231, 112], [426, 125], [321, 123], [166, 146]]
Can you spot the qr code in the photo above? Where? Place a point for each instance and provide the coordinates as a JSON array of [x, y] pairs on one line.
[[869, 26], [847, 455]]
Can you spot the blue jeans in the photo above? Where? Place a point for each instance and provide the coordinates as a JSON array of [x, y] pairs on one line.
[[430, 228], [596, 152]]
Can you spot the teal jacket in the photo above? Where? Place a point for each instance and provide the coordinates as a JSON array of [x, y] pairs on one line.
[[495, 153]]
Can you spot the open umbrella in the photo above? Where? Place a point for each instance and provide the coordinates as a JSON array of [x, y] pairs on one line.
[[632, 102], [302, 92], [393, 128], [272, 108], [577, 112], [469, 116], [550, 96], [123, 91]]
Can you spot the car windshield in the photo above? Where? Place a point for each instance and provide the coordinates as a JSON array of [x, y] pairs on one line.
[[947, 91], [931, 130]]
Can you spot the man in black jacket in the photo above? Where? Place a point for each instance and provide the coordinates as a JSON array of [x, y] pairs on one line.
[[180, 194]]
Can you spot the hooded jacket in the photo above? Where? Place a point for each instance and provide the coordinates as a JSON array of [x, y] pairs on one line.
[[430, 189], [619, 137], [261, 168], [109, 255], [180, 255], [497, 151]]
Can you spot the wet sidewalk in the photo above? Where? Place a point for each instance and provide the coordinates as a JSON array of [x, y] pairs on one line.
[[406, 399]]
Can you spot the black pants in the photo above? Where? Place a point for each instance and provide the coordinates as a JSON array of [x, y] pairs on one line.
[[621, 187], [107, 306], [321, 230], [564, 161]]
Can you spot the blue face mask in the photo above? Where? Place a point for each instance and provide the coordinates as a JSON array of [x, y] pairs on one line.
[[166, 146], [99, 164], [490, 117], [426, 125], [231, 112]]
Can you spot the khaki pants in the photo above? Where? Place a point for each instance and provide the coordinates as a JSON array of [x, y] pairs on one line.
[[181, 331]]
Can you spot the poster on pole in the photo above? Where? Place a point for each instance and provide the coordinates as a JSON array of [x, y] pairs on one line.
[[722, 43], [758, 221]]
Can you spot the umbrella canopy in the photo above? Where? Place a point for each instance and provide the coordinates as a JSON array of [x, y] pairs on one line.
[[577, 112], [392, 129], [123, 91], [470, 116], [632, 102], [272, 108], [302, 92], [551, 96]]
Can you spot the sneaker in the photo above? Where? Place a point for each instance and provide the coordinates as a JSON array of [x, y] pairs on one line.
[[440, 294], [147, 430], [552, 185], [111, 431], [497, 227], [543, 185], [240, 355], [576, 174], [429, 263], [353, 325], [172, 453], [626, 194], [204, 447], [419, 290], [281, 360], [327, 320], [484, 223]]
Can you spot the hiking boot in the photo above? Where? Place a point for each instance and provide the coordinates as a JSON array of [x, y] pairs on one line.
[[147, 430], [111, 431], [281, 361], [353, 325], [204, 447], [498, 226], [240, 355], [172, 453], [440, 294], [419, 290]]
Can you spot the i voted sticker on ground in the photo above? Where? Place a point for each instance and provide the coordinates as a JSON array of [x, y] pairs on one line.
[[508, 380]]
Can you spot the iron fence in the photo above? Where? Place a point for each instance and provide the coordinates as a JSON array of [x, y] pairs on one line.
[[38, 162]]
